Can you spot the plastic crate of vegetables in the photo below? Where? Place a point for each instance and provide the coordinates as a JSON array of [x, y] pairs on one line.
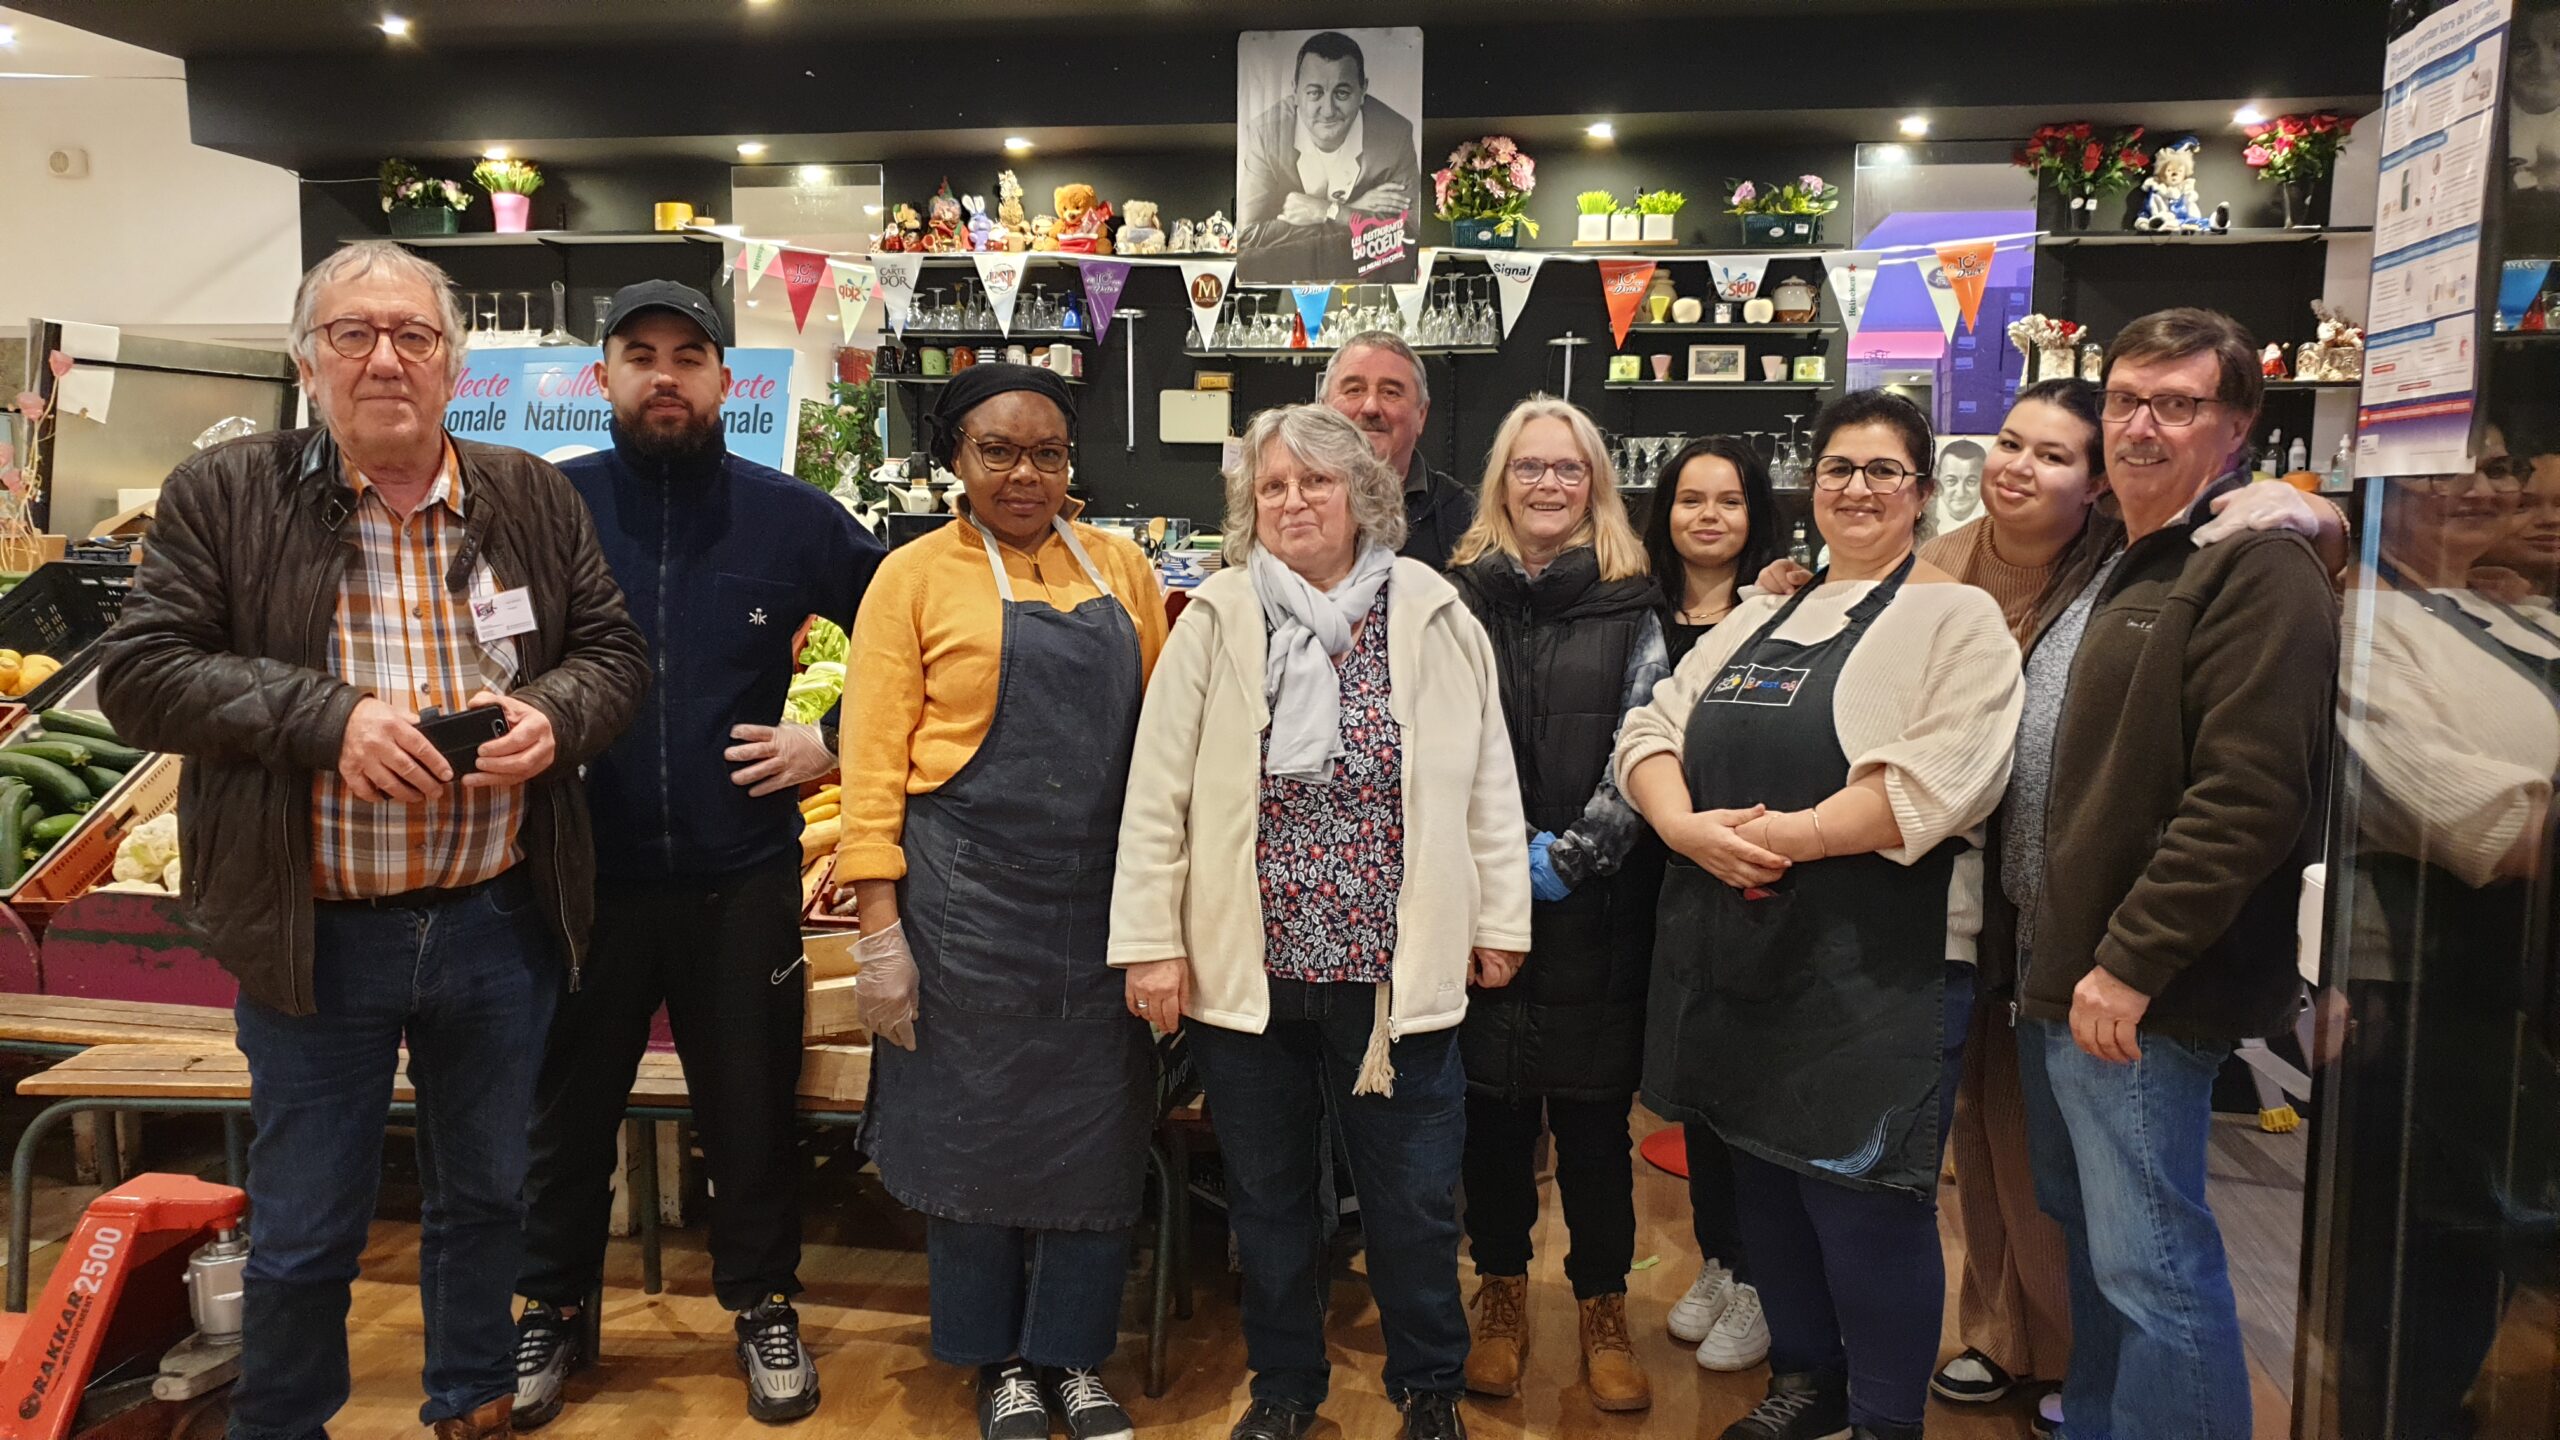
[[56, 772]]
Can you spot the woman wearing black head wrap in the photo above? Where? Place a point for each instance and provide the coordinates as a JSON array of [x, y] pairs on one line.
[[990, 707]]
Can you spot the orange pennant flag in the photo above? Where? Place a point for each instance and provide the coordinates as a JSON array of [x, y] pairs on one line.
[[1624, 283], [1967, 265]]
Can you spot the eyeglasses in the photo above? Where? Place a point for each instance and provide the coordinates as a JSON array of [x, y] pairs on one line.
[[410, 340], [1314, 489], [2170, 410], [2502, 474], [1000, 456], [1884, 477], [1571, 474]]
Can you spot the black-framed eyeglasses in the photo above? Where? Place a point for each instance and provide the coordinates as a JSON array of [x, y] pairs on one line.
[[1884, 477], [1571, 474], [2502, 474], [411, 340], [2173, 411], [1002, 455]]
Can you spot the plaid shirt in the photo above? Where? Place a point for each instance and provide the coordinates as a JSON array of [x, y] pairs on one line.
[[403, 637]]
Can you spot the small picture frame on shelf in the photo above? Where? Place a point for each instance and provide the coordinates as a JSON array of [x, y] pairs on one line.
[[1716, 364], [1813, 369], [1623, 368]]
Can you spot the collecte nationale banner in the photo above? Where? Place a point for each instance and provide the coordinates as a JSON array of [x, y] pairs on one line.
[[547, 400]]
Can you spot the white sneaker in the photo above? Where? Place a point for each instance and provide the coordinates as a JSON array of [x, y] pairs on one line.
[[1740, 1336], [1708, 1296]]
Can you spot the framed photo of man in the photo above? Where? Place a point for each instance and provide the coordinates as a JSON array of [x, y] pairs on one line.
[[1329, 182]]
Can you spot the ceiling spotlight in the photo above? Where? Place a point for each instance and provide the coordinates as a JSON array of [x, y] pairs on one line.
[[8, 35], [395, 26], [813, 174], [1016, 145], [2249, 115], [750, 149], [1601, 130], [1915, 126], [494, 152]]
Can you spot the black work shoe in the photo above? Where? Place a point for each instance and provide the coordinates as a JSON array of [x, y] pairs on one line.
[[782, 1381], [1799, 1407], [1971, 1378], [1091, 1412], [1432, 1415], [1271, 1420], [1009, 1404], [548, 1351]]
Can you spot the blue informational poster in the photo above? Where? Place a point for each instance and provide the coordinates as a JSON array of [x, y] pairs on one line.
[[548, 401]]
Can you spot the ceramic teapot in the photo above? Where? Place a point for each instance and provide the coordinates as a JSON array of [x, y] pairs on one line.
[[1796, 300]]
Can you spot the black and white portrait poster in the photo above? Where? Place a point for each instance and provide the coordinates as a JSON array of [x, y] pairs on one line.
[[1329, 156]]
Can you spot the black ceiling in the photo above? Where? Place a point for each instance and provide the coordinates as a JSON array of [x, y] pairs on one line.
[[191, 28]]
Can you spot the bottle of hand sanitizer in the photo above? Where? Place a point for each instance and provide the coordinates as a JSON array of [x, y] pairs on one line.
[[2267, 456], [2298, 457]]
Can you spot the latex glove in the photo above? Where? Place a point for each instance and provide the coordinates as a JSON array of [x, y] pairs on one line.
[[2267, 505], [884, 991], [1544, 882], [778, 757]]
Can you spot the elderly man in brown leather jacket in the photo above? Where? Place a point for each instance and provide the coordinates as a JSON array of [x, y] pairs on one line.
[[306, 596]]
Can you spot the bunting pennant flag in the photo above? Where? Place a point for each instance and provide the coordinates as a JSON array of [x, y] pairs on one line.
[[1852, 277], [1001, 276], [1967, 267], [1313, 302], [1411, 298], [802, 273], [756, 261], [1933, 275], [1205, 281], [1738, 277], [1104, 282], [898, 286], [2518, 287], [853, 293], [1515, 275], [1622, 284]]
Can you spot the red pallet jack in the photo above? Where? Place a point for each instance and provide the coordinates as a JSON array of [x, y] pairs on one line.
[[139, 1325]]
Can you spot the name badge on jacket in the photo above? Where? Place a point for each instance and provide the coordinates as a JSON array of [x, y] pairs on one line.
[[504, 614]]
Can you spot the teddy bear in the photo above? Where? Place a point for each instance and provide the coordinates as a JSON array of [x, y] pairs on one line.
[[1083, 220], [1144, 234]]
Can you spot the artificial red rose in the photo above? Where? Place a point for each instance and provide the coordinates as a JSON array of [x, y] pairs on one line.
[[2136, 160], [2323, 123], [2133, 134], [2090, 158], [2256, 156]]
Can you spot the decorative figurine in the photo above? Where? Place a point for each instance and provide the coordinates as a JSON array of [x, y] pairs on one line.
[[2271, 363], [1218, 234], [1185, 240], [1044, 233], [942, 234], [1144, 234], [2339, 352], [905, 232], [1082, 221], [982, 231], [2173, 206], [1796, 300], [1013, 228], [1687, 310]]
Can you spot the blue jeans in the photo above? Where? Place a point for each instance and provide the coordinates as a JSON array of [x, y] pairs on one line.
[[2119, 1155], [470, 985], [1051, 1297], [1852, 1280], [1268, 1097]]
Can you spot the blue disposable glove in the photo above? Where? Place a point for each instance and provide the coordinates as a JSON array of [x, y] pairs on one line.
[[1544, 882]]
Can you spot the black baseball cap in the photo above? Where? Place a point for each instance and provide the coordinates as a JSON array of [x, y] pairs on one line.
[[649, 295]]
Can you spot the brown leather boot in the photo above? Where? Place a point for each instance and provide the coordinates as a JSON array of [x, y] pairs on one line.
[[1609, 1357], [1502, 1334], [489, 1422]]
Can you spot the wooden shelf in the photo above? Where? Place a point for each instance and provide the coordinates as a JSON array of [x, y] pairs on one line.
[[555, 239], [2104, 238], [2315, 384], [945, 379], [991, 337], [1313, 352], [1737, 329], [1804, 386]]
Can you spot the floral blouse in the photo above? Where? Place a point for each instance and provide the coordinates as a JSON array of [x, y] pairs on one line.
[[1330, 857]]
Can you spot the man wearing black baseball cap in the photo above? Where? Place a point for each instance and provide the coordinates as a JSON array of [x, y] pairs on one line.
[[697, 850]]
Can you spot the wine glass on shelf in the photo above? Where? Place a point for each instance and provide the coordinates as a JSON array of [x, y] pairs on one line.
[[528, 332], [604, 307], [1791, 471], [1752, 439]]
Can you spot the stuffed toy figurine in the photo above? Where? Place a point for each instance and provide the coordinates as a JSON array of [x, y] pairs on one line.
[[1185, 238], [905, 232], [2173, 206], [1044, 233], [1083, 220], [981, 230], [2271, 361], [1144, 234], [1218, 234], [942, 236], [1013, 228]]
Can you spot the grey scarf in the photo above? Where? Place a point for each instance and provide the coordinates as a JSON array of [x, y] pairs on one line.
[[1309, 629]]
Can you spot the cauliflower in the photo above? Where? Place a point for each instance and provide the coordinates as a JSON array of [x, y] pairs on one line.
[[150, 854]]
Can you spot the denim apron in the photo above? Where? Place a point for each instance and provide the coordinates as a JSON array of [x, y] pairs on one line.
[[1027, 1099], [1803, 1020]]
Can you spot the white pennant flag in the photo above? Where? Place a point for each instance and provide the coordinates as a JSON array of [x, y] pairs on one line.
[[1410, 298], [1852, 277], [1515, 274], [1207, 281], [1933, 272], [758, 261], [898, 285], [1001, 274], [853, 293], [1738, 277]]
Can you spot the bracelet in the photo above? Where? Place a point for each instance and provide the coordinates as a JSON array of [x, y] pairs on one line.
[[1814, 812]]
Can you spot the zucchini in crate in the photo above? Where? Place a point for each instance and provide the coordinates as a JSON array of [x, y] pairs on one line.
[[55, 787], [77, 722], [13, 864], [64, 753]]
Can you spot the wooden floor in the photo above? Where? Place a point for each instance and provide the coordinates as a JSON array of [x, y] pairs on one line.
[[668, 1370]]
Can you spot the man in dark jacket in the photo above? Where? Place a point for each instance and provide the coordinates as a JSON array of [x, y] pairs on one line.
[[305, 596], [1376, 381], [699, 862], [2186, 757]]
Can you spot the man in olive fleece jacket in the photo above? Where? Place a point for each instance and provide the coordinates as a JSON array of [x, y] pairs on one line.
[[2186, 764]]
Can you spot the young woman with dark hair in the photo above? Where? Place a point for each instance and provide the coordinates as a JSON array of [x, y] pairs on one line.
[[1712, 526]]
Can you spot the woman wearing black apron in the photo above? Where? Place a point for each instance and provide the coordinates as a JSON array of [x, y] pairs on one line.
[[1713, 525], [1817, 766], [990, 709]]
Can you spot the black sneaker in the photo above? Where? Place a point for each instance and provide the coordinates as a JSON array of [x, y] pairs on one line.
[[1009, 1404], [1971, 1378], [1091, 1412], [547, 1353], [1271, 1420], [1432, 1415], [1799, 1407], [782, 1382]]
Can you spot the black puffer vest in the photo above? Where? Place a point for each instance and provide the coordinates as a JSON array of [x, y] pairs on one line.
[[1571, 1024]]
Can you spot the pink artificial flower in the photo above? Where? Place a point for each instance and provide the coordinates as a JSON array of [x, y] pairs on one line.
[[1440, 187], [2257, 156], [59, 363], [1745, 193], [31, 405], [1503, 147], [1521, 178], [1812, 184]]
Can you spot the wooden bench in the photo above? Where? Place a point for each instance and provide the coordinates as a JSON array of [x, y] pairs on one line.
[[67, 1024]]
